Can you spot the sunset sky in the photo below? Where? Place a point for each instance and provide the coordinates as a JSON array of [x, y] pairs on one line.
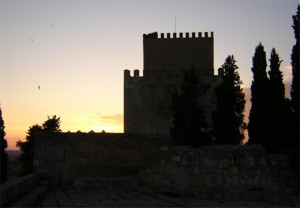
[[76, 52]]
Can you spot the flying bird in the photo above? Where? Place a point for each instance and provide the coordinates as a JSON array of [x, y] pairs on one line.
[[39, 87], [31, 40]]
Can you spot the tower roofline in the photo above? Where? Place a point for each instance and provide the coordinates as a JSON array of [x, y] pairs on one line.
[[182, 35]]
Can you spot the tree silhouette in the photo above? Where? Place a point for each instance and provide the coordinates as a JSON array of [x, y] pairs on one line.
[[189, 125], [3, 153], [295, 82], [258, 127], [26, 157], [228, 118], [295, 62], [52, 124], [279, 110], [276, 79]]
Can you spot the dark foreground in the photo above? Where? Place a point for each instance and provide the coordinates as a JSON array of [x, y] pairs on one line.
[[74, 197]]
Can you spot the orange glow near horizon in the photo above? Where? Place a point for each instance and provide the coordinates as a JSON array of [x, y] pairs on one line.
[[110, 124]]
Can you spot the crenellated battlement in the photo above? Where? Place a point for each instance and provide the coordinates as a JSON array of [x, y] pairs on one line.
[[127, 73], [178, 35]]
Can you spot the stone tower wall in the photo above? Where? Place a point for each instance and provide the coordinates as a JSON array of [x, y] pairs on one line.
[[178, 53], [147, 98]]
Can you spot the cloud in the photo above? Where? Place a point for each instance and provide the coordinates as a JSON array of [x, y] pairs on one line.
[[288, 85], [247, 92], [110, 123], [116, 119], [288, 67], [110, 120], [287, 80]]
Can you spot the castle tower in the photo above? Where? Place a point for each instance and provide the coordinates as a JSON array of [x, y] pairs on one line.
[[147, 98]]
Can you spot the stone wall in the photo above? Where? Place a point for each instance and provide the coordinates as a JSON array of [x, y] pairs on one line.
[[12, 190], [214, 171], [223, 172], [65, 157]]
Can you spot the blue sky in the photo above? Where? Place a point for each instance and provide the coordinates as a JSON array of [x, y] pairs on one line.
[[77, 51]]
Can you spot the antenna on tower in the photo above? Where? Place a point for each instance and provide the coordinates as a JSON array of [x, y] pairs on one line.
[[175, 24]]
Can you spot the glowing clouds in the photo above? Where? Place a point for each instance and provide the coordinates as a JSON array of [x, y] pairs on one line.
[[108, 123]]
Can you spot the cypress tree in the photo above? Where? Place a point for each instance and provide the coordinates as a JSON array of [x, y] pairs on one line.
[[295, 56], [4, 155], [189, 123], [258, 127], [228, 118], [276, 78], [295, 63], [279, 107]]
